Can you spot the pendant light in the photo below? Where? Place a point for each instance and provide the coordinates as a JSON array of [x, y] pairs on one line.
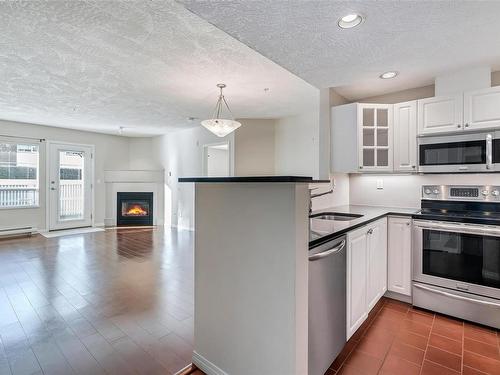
[[219, 124]]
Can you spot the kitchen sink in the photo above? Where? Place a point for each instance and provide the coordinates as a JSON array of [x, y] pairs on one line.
[[336, 216]]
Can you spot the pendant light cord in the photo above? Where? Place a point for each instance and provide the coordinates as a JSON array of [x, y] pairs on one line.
[[218, 106]]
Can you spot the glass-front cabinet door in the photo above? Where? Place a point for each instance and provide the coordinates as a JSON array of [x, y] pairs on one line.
[[375, 137]]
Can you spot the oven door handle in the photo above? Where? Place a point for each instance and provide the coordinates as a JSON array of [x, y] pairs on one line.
[[455, 296], [459, 228]]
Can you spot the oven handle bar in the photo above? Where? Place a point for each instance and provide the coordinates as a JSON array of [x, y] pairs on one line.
[[467, 299], [459, 228]]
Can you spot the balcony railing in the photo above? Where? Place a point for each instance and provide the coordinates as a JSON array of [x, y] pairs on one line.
[[13, 195], [71, 197]]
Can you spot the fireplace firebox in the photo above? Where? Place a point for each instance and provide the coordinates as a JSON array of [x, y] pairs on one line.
[[134, 208]]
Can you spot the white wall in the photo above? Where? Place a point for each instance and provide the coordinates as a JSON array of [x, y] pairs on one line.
[[142, 155], [181, 155], [339, 197], [296, 144], [251, 278], [111, 152], [254, 146], [287, 146], [103, 158], [405, 190]]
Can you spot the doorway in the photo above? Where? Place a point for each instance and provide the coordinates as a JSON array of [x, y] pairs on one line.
[[216, 160], [70, 182]]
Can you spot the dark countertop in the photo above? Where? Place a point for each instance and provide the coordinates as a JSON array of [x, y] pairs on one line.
[[253, 179], [325, 230]]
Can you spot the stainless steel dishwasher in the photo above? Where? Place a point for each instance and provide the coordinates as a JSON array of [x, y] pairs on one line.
[[327, 304]]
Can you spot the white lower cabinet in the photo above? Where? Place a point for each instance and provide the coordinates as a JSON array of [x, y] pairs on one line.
[[399, 255], [366, 271]]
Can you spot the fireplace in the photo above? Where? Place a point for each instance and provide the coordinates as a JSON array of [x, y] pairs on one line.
[[134, 208]]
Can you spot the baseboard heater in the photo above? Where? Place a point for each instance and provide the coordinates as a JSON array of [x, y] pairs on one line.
[[16, 231]]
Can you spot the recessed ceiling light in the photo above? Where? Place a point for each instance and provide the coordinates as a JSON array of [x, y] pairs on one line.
[[388, 75], [350, 20]]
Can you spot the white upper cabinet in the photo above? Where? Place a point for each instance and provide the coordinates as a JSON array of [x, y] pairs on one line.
[[405, 136], [375, 122], [482, 109], [440, 115], [361, 138], [399, 255]]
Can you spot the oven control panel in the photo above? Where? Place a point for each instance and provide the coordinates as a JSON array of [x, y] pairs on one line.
[[487, 193]]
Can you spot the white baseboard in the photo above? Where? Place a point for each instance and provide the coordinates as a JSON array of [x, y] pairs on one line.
[[206, 366], [99, 225], [398, 296]]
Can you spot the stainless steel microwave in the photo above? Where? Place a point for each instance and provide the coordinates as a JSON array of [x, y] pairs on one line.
[[472, 152]]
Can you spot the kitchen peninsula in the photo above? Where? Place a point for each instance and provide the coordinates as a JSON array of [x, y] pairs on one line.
[[251, 270]]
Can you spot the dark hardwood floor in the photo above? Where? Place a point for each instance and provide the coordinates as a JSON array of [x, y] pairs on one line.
[[115, 302], [121, 302]]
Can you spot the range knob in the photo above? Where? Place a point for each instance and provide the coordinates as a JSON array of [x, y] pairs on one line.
[[495, 193], [435, 191], [427, 191], [485, 192]]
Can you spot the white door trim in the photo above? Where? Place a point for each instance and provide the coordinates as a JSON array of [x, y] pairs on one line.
[[48, 144]]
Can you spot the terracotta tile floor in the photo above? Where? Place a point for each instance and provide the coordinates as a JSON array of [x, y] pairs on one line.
[[398, 339]]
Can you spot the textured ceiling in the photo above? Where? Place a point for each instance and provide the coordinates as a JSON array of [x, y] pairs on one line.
[[420, 39], [142, 65]]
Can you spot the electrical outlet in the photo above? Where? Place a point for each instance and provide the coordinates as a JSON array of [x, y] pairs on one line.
[[380, 184]]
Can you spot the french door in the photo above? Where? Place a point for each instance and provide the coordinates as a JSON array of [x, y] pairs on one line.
[[70, 169]]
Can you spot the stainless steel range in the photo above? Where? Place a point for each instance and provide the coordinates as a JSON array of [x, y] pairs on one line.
[[456, 252]]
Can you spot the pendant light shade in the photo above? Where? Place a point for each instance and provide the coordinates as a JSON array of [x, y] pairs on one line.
[[221, 124]]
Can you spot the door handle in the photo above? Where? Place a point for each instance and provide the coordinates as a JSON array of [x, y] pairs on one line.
[[52, 188], [325, 253]]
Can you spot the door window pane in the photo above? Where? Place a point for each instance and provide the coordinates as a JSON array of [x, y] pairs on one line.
[[368, 137], [71, 185], [382, 158], [19, 184], [382, 117], [382, 137], [368, 117], [368, 157]]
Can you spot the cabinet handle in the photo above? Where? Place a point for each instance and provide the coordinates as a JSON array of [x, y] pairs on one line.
[[360, 167], [467, 125], [413, 166], [459, 126], [370, 231]]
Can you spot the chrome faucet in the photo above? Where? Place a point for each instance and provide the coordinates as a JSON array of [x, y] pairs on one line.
[[317, 195]]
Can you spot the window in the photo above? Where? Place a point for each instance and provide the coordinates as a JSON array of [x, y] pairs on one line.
[[19, 180]]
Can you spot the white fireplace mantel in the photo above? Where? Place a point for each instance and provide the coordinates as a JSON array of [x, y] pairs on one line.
[[134, 181]]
